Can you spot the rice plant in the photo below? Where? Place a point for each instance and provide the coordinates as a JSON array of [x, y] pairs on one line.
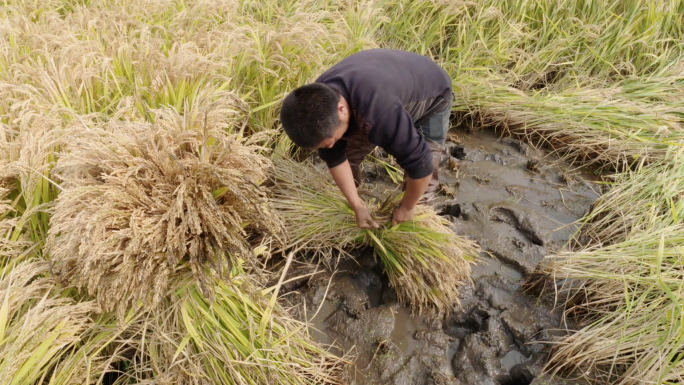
[[37, 325], [137, 198], [623, 281], [237, 337], [628, 298], [595, 126], [639, 200], [424, 260]]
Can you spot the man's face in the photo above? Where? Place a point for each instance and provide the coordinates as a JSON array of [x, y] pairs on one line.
[[343, 112]]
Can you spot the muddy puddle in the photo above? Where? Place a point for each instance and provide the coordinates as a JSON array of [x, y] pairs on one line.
[[520, 205]]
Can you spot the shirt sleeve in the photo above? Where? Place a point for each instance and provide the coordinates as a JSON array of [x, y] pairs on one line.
[[396, 134], [335, 155]]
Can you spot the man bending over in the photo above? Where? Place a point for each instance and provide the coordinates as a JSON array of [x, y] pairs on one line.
[[397, 100]]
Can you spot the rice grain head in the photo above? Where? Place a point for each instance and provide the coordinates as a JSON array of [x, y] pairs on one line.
[[138, 197], [12, 241]]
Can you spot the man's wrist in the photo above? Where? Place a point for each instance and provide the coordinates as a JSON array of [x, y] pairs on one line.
[[356, 205], [407, 206]]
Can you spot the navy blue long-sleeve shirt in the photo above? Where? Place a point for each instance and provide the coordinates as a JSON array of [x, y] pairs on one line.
[[379, 85]]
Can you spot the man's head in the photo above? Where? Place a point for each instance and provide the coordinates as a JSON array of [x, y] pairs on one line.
[[315, 116]]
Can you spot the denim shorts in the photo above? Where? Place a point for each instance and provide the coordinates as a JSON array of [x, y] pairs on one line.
[[435, 127]]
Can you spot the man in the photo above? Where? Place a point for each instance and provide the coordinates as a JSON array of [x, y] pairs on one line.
[[397, 100]]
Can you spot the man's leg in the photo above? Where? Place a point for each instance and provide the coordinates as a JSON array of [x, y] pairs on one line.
[[357, 150], [434, 131]]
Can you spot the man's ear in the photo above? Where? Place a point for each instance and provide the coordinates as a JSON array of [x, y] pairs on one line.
[[342, 109]]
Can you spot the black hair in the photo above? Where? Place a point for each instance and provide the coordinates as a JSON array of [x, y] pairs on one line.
[[309, 114]]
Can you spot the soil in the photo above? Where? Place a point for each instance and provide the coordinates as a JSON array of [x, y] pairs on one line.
[[520, 204]]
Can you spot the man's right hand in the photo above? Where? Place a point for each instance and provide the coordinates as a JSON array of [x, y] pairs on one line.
[[344, 179], [363, 218]]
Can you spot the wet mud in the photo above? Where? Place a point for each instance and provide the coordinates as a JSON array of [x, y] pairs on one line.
[[520, 205]]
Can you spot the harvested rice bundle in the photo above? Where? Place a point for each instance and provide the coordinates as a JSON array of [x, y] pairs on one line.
[[238, 337], [137, 198], [424, 260]]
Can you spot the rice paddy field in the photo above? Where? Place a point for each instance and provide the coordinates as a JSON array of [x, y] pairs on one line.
[[150, 206]]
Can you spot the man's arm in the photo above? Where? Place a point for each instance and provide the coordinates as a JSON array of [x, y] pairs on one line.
[[397, 134], [414, 190], [344, 179]]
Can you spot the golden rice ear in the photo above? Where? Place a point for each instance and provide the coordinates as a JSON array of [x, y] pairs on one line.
[[139, 198]]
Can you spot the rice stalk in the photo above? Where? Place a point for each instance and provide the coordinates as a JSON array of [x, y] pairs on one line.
[[37, 325], [9, 246], [628, 297], [27, 150], [137, 198], [623, 283], [424, 260], [640, 200], [193, 339], [103, 352], [594, 126], [390, 166]]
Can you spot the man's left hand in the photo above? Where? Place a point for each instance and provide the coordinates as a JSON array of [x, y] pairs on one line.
[[402, 214]]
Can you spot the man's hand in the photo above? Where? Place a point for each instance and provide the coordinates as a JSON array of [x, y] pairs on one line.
[[402, 214], [363, 218], [344, 179]]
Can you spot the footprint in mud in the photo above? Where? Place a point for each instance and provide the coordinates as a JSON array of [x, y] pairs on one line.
[[522, 222]]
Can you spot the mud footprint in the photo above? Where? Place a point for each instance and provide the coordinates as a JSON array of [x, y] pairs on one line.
[[520, 221]]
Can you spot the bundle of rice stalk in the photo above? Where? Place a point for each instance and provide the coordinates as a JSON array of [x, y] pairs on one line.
[[241, 336], [37, 324], [424, 260], [137, 198], [629, 298]]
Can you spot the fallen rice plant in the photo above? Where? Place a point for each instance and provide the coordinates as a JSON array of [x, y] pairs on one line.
[[37, 325], [424, 260], [137, 198], [648, 197], [235, 338], [625, 285], [594, 126], [628, 297]]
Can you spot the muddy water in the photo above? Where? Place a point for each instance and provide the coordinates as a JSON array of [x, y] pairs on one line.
[[519, 204]]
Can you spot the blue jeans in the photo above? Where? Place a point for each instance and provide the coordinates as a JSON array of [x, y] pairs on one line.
[[435, 127]]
